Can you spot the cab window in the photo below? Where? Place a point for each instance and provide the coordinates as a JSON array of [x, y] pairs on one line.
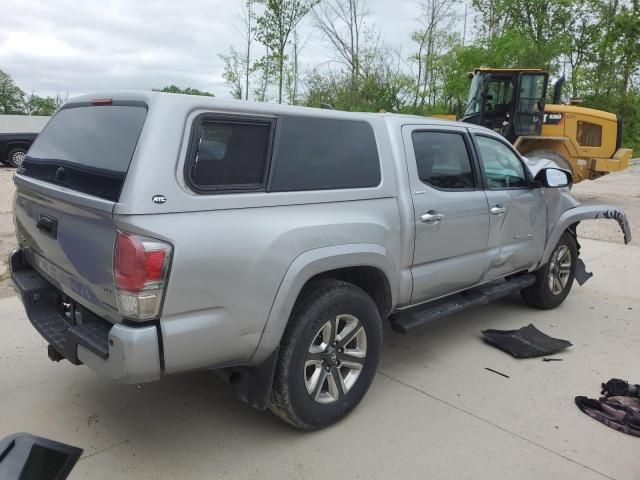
[[501, 167]]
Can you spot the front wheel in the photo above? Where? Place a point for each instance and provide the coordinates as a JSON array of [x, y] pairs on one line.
[[554, 280], [328, 356]]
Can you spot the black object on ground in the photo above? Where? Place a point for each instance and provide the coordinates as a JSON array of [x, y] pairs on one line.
[[28, 457], [526, 342], [495, 371], [552, 359], [581, 275]]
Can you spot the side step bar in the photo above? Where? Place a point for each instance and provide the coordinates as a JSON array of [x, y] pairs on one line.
[[411, 319]]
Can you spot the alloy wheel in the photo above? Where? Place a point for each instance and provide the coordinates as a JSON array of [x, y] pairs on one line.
[[18, 158], [335, 358], [559, 269]]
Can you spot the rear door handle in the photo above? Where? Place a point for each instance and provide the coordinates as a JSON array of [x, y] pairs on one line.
[[432, 217], [497, 210]]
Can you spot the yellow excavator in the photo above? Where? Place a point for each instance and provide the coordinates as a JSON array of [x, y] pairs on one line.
[[512, 101]]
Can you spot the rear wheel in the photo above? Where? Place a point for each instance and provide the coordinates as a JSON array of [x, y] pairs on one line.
[[328, 356], [16, 156], [554, 280]]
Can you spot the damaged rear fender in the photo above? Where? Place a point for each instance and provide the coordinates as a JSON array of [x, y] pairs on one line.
[[580, 213]]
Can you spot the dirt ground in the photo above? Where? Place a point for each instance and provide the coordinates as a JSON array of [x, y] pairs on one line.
[[619, 188]]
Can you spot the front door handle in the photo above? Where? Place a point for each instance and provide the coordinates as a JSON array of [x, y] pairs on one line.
[[497, 210], [432, 217]]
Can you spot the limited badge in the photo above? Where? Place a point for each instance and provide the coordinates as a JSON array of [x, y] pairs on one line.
[[159, 199]]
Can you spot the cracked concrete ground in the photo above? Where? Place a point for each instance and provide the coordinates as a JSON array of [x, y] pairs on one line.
[[432, 412]]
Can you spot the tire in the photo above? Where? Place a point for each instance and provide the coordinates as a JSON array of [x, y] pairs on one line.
[[16, 156], [303, 394], [555, 157], [554, 279]]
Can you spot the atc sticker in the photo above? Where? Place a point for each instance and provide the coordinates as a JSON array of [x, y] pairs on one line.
[[159, 199]]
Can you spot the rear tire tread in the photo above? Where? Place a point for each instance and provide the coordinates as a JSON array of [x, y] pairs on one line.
[[319, 293]]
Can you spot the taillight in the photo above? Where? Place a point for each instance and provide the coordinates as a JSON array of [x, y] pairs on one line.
[[141, 265]]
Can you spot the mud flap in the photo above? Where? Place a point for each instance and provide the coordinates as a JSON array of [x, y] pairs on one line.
[[581, 274]]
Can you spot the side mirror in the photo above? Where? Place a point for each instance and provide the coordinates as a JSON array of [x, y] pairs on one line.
[[554, 178]]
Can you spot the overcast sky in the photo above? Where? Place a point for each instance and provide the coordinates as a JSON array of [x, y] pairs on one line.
[[60, 46]]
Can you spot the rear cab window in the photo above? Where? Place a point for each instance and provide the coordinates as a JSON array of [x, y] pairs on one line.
[[87, 148]]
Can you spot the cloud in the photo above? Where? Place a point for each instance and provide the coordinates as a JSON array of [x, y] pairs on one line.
[[77, 47]]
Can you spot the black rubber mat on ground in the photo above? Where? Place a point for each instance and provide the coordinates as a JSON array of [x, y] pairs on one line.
[[526, 342]]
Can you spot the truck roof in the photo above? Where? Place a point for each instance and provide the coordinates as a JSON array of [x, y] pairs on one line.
[[192, 102]]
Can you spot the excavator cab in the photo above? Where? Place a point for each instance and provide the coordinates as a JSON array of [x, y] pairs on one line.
[[508, 101]]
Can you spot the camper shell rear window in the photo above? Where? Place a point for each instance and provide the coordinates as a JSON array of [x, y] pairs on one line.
[[87, 147]]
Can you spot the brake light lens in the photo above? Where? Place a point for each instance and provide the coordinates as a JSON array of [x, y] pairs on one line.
[[141, 266], [102, 101]]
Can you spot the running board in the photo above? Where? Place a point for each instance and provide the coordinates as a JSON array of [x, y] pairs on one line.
[[411, 319]]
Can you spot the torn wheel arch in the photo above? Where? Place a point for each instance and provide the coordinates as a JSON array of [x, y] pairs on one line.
[[569, 221]]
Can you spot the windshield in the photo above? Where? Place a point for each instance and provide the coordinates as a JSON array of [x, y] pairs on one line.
[[474, 102], [87, 148]]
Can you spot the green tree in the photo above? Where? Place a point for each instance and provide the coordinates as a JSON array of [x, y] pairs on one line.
[[185, 91], [275, 26], [11, 96], [36, 105]]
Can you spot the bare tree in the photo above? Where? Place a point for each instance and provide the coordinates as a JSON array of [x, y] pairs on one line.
[[435, 18], [237, 62], [293, 69], [246, 20], [342, 23]]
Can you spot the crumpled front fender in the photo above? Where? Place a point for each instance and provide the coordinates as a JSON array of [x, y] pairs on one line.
[[580, 213]]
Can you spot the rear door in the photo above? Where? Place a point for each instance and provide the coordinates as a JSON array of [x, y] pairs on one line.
[[451, 214], [66, 190]]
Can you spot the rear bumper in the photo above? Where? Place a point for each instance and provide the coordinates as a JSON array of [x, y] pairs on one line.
[[128, 354]]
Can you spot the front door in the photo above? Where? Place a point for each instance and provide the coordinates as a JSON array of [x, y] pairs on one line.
[[517, 211], [451, 213], [530, 101]]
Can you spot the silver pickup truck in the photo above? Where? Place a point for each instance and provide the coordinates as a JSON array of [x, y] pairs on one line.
[[163, 233]]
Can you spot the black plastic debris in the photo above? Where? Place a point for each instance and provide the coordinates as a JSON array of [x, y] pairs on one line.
[[28, 457], [499, 373], [581, 275], [526, 342]]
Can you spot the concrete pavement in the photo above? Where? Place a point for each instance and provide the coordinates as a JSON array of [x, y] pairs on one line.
[[432, 412]]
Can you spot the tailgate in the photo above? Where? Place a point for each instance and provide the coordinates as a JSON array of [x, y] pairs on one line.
[[66, 189], [69, 239]]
